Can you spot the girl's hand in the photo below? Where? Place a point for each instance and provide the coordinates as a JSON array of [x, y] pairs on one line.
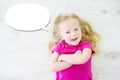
[[60, 59], [78, 52]]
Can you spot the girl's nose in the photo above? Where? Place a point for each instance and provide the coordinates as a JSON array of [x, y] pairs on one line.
[[72, 33]]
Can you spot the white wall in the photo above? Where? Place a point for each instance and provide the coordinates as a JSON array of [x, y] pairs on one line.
[[24, 55]]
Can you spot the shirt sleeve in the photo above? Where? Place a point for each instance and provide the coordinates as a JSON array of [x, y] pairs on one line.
[[57, 48], [87, 44]]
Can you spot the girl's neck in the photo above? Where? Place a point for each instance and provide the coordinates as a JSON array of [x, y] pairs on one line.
[[70, 44]]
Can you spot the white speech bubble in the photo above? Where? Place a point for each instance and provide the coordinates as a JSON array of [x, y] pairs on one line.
[[27, 17]]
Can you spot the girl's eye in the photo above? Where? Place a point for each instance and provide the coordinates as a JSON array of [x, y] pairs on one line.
[[67, 32], [76, 29]]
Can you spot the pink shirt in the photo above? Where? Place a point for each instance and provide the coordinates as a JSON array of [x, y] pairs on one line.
[[75, 72]]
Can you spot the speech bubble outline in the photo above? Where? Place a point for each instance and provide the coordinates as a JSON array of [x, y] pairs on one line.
[[28, 17]]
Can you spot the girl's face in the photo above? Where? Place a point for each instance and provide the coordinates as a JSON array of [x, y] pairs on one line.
[[70, 31]]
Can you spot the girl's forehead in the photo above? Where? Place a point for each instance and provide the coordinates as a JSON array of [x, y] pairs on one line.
[[69, 23]]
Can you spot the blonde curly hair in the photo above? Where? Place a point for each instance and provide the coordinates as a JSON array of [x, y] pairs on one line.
[[87, 32]]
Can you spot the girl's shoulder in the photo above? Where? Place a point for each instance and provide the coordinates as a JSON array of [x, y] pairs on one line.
[[87, 44], [59, 47], [60, 43]]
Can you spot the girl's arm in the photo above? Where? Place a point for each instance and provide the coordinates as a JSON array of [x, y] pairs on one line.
[[77, 58], [58, 65]]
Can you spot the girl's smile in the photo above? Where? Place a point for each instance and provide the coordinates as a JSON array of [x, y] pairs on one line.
[[74, 39]]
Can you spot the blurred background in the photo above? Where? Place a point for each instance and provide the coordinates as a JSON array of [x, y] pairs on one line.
[[25, 56]]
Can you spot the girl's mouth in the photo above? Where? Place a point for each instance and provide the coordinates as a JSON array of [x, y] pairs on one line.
[[74, 39]]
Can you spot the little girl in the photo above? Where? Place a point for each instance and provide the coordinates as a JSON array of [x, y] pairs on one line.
[[73, 48]]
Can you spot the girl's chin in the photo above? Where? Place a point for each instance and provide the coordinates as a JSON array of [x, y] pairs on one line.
[[74, 43]]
